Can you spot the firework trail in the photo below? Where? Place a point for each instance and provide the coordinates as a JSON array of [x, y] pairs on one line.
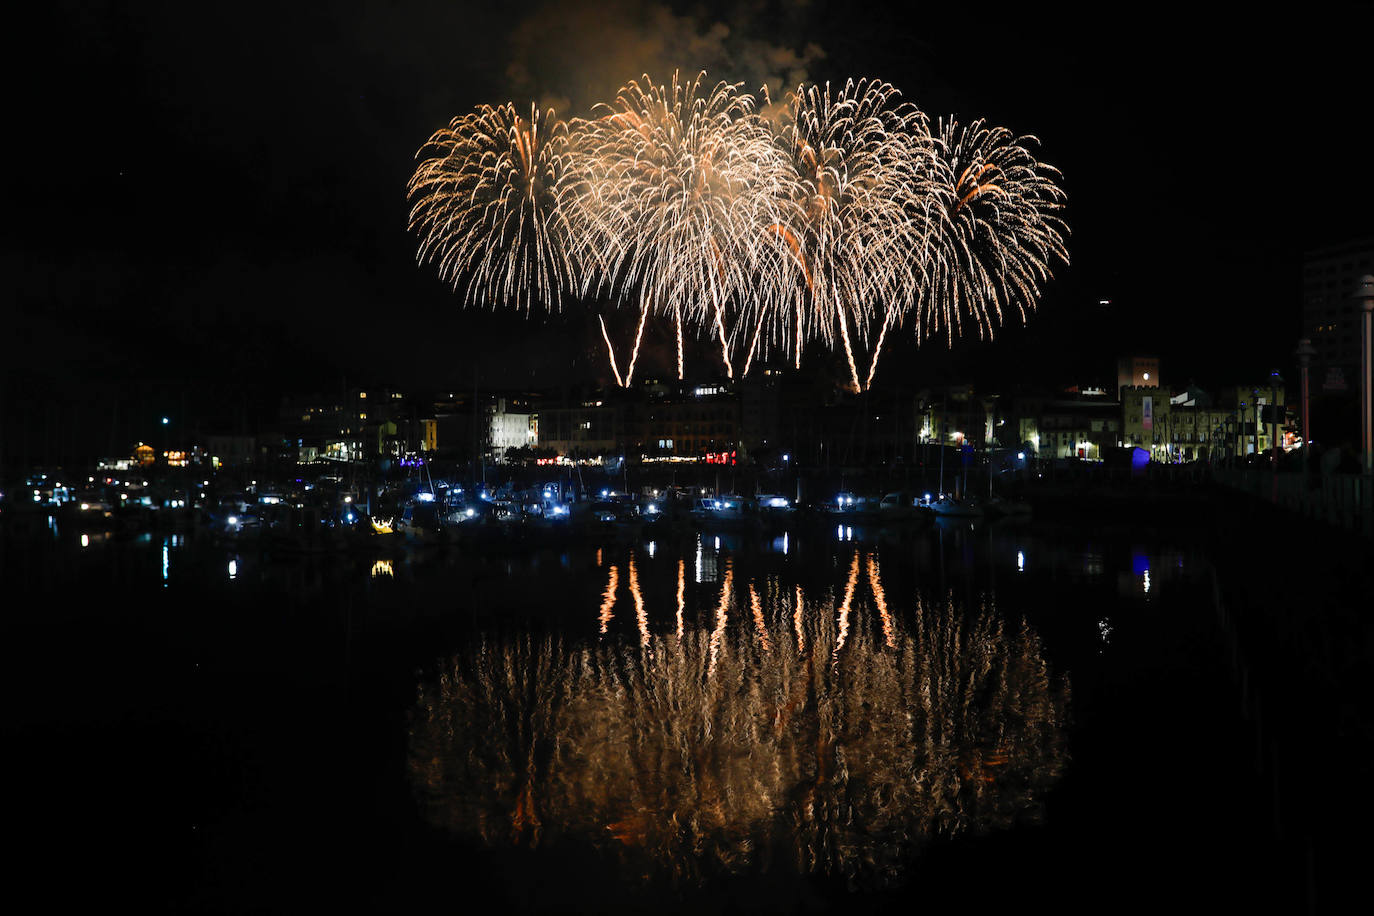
[[486, 204]]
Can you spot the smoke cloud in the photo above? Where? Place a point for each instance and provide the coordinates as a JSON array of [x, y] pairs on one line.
[[572, 54]]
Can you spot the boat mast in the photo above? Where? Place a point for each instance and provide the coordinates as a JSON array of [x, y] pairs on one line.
[[943, 410]]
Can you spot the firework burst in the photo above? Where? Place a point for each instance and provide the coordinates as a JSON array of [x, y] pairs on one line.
[[843, 220], [486, 202], [862, 217], [675, 183], [1002, 229]]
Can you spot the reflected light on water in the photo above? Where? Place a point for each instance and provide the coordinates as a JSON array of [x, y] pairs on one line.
[[705, 753], [607, 613], [759, 626], [880, 600], [844, 607], [722, 617], [85, 540], [233, 568], [641, 617], [681, 594], [383, 568]]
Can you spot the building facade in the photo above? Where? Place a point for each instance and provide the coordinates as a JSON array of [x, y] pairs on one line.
[[1330, 316]]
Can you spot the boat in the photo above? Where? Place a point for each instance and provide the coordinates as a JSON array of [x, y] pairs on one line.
[[774, 510], [419, 522], [729, 512], [949, 507], [849, 509], [899, 508]]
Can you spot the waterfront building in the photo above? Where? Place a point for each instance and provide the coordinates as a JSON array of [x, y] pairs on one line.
[[694, 420], [1330, 316], [585, 427], [1251, 418], [1077, 423], [228, 451], [511, 424]]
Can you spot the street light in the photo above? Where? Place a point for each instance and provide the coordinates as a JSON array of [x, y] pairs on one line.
[[1365, 295]]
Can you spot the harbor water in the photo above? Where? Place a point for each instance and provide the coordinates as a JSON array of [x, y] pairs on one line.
[[827, 717]]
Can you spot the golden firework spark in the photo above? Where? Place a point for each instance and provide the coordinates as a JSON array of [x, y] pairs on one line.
[[675, 182], [841, 221], [486, 205], [861, 217], [1002, 229]]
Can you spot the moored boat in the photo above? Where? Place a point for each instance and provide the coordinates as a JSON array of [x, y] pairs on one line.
[[949, 507], [731, 511]]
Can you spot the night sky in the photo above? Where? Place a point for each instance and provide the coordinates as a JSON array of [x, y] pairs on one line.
[[210, 199]]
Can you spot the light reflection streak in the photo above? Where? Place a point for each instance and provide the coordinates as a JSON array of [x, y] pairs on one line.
[[681, 594], [881, 601], [722, 617], [759, 625], [641, 617], [843, 614], [608, 599], [714, 755], [383, 568]]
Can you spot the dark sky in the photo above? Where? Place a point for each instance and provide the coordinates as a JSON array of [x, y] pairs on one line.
[[213, 196]]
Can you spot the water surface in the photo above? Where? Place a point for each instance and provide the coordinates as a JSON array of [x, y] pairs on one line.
[[967, 714]]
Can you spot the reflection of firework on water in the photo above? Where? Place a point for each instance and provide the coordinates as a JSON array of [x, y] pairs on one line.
[[485, 203], [722, 752], [1002, 232], [674, 181]]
